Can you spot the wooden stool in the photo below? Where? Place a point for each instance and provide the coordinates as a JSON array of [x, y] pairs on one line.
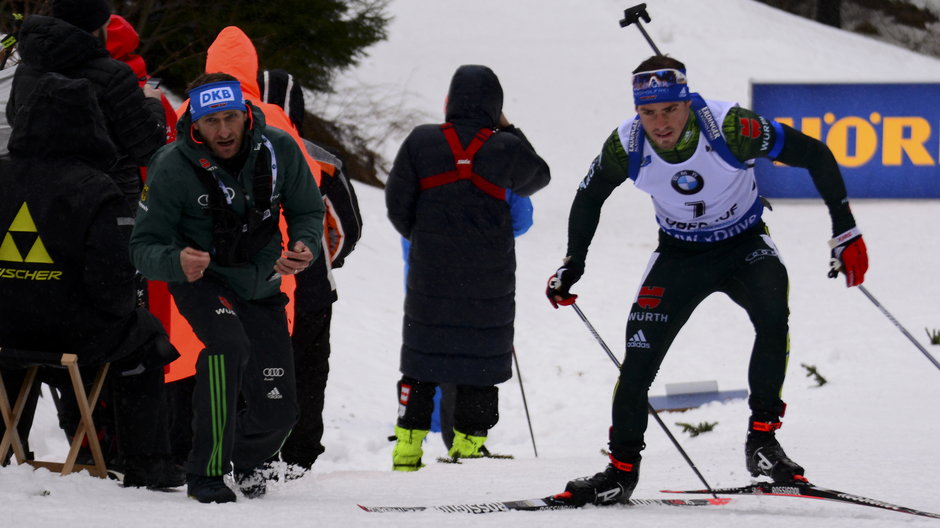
[[33, 361]]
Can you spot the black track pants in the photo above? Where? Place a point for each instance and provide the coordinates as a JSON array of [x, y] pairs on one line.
[[311, 340], [248, 354], [750, 272], [476, 409]]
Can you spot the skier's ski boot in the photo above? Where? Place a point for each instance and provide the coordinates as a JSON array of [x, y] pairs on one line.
[[407, 453], [207, 489], [764, 456], [613, 485], [467, 446]]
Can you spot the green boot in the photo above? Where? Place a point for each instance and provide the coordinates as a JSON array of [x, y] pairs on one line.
[[407, 453], [467, 446]]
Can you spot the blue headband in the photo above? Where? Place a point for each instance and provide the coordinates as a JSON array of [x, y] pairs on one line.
[[216, 97], [660, 86]]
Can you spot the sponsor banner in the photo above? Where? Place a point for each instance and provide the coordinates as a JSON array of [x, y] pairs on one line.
[[885, 137]]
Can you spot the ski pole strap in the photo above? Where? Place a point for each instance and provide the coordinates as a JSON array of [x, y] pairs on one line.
[[766, 427], [463, 164]]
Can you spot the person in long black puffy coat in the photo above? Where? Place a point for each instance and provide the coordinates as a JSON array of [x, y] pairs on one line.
[[71, 42], [66, 279], [447, 194]]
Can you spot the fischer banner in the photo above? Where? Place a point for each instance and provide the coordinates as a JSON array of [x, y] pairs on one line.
[[885, 137]]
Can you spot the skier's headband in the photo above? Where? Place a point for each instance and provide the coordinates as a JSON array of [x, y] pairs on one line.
[[660, 86], [216, 97]]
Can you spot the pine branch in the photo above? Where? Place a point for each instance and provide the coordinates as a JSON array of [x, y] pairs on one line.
[[934, 336], [812, 372], [695, 430]]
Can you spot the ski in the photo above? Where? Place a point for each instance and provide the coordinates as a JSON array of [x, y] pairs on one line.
[[555, 502], [484, 453], [459, 460], [810, 491]]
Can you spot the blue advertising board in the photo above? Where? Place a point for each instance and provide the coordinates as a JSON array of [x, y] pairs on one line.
[[885, 137]]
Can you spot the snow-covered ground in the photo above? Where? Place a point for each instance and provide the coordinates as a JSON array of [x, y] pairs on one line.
[[564, 65]]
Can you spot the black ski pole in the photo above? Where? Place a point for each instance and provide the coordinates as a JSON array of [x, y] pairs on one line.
[[632, 15], [524, 404], [898, 324], [648, 405]]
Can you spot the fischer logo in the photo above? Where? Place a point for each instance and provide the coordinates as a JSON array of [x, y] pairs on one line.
[[638, 340], [272, 372], [275, 394]]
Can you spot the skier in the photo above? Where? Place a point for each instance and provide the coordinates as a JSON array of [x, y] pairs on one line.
[[695, 159]]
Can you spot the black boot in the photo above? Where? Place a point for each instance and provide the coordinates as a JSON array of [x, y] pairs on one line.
[[208, 489], [613, 485], [155, 473], [764, 456]]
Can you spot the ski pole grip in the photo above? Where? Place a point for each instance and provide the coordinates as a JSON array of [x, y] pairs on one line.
[[632, 15]]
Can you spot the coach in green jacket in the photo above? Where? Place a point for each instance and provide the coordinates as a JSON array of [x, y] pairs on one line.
[[208, 225]]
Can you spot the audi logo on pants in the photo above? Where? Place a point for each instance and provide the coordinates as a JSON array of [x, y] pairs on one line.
[[272, 372]]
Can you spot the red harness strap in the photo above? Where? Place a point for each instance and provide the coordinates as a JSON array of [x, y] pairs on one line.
[[463, 163]]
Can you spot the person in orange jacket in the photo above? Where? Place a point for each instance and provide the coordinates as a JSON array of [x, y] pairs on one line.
[[233, 53], [122, 42]]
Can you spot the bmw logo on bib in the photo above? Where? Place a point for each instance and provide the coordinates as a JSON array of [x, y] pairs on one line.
[[687, 182]]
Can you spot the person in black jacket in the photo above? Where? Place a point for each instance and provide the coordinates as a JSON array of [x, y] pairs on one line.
[[72, 43], [316, 289], [66, 280], [446, 194]]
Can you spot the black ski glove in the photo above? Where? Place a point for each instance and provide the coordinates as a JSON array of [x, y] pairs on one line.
[[563, 279]]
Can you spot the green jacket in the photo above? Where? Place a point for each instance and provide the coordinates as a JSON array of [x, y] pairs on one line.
[[173, 213]]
